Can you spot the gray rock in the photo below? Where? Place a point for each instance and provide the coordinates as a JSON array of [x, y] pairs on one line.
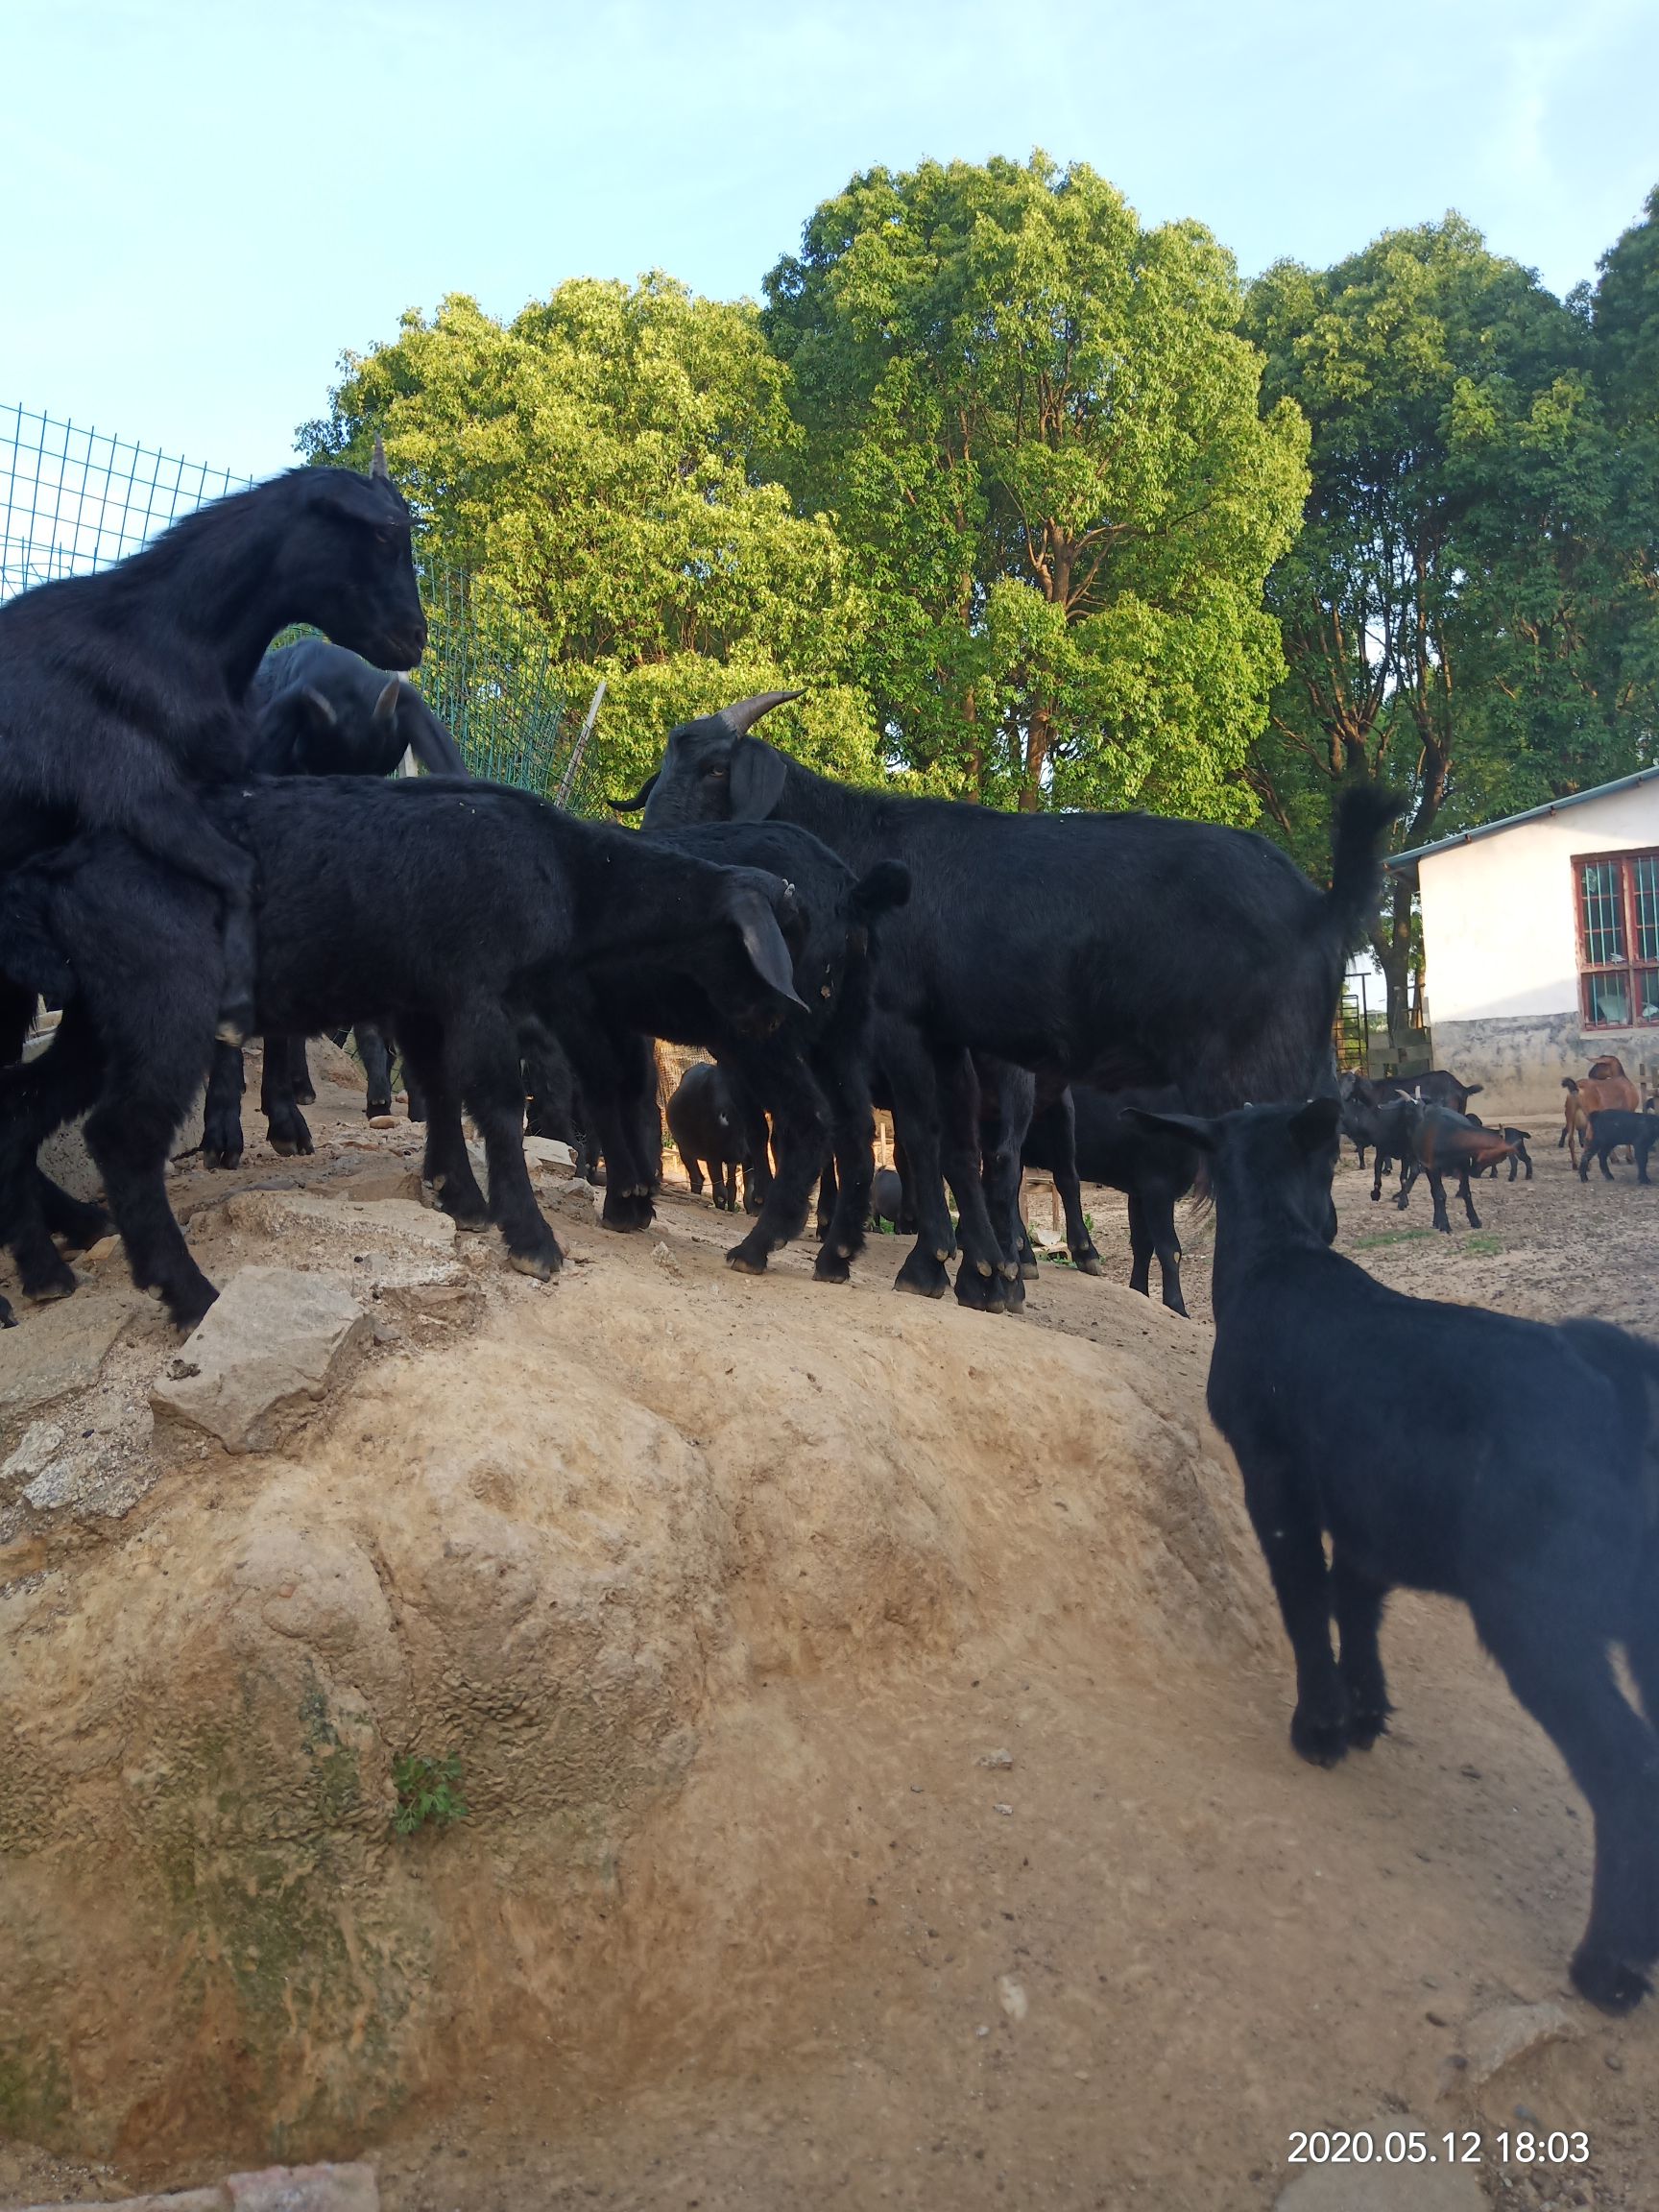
[[274, 2189], [340, 1219], [1495, 2038], [548, 1152], [265, 1354], [61, 1347], [1431, 2187]]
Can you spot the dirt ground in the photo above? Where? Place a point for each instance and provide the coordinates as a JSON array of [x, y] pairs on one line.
[[1117, 1942]]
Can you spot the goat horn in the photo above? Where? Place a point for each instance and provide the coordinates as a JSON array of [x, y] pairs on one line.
[[742, 716], [377, 464], [386, 705]]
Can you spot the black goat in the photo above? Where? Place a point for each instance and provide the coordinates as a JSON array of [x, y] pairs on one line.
[[1093, 1135], [490, 906], [1387, 1123], [1611, 1125], [811, 1078], [1525, 1483], [1435, 1087], [321, 711], [1518, 1159], [122, 694], [1112, 948], [706, 1120]]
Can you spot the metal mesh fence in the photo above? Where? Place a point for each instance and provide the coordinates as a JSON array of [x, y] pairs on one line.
[[75, 500]]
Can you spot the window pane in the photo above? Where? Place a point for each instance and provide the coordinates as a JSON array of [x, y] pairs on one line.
[[1647, 993], [1644, 875], [1604, 916], [1607, 999]]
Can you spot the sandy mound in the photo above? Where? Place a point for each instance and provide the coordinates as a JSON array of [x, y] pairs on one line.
[[580, 1537]]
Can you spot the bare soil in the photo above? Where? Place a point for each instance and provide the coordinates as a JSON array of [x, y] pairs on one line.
[[1105, 1942]]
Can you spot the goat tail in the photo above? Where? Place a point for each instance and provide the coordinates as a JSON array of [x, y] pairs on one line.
[[1570, 1083], [1364, 814]]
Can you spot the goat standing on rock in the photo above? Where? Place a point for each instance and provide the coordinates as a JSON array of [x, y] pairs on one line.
[[1525, 1483]]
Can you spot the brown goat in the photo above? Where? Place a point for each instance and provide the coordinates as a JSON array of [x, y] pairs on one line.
[[1589, 1096]]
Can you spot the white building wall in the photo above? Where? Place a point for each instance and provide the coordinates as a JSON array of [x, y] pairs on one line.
[[1499, 932]]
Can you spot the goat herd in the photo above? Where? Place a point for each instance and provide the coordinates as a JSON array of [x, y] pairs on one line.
[[198, 839]]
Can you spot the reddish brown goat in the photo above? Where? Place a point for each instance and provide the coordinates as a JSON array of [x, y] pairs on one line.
[[1448, 1143], [1612, 1088]]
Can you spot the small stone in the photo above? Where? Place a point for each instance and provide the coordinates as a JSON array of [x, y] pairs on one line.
[[306, 2189], [264, 1353], [1001, 1759], [1012, 1997], [382, 1121], [39, 1445], [106, 1248], [548, 1152], [1497, 2039], [1003, 1809], [981, 2030]]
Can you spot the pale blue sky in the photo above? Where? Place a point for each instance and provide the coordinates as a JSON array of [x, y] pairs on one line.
[[206, 201]]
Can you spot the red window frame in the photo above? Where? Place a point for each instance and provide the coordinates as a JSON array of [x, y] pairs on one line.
[[1616, 917]]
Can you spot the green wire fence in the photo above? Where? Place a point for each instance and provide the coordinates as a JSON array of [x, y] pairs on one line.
[[74, 501]]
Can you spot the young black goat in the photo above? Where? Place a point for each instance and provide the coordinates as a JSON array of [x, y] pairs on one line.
[[122, 693], [1612, 1125], [1525, 1483], [488, 905], [321, 711], [1074, 945], [1093, 1135], [811, 1078], [706, 1120]]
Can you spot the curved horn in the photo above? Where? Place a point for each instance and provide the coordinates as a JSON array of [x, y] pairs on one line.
[[633, 804], [386, 705], [377, 464], [742, 716]]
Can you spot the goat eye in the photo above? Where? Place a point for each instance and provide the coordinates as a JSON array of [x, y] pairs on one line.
[[712, 771]]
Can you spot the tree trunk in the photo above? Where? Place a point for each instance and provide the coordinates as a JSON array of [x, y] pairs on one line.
[[1039, 735]]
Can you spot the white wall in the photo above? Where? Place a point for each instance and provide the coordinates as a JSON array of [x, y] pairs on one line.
[[1499, 928]]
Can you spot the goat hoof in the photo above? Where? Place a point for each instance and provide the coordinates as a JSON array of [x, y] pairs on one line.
[[189, 1308], [1609, 1984], [284, 1147], [981, 1293], [48, 1293], [744, 1261], [535, 1263], [472, 1224], [8, 1319], [1087, 1263], [1321, 1742], [832, 1266], [1364, 1728]]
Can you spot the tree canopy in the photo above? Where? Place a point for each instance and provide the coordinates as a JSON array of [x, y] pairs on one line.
[[1457, 610], [1035, 424], [595, 462]]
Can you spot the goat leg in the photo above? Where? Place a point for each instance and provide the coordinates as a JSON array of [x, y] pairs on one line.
[[1295, 1553], [1463, 1192], [1358, 1603], [222, 1112], [285, 1125]]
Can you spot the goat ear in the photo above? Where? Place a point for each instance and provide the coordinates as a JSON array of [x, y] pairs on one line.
[[1188, 1128], [757, 778], [763, 940], [428, 739], [634, 805], [1316, 1125]]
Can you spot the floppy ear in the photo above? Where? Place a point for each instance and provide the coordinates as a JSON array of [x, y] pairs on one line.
[[763, 940], [757, 778], [1187, 1128], [1316, 1124], [425, 735], [633, 806]]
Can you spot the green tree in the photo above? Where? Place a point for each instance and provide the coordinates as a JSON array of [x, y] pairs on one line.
[[1036, 427], [599, 463], [1444, 608]]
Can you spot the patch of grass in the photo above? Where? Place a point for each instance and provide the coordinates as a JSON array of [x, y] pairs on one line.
[[428, 1792], [1390, 1237], [1482, 1243]]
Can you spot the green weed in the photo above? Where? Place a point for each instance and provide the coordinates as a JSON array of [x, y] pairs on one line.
[[428, 1792]]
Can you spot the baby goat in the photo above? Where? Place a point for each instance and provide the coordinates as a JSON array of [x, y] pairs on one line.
[[1527, 1484]]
